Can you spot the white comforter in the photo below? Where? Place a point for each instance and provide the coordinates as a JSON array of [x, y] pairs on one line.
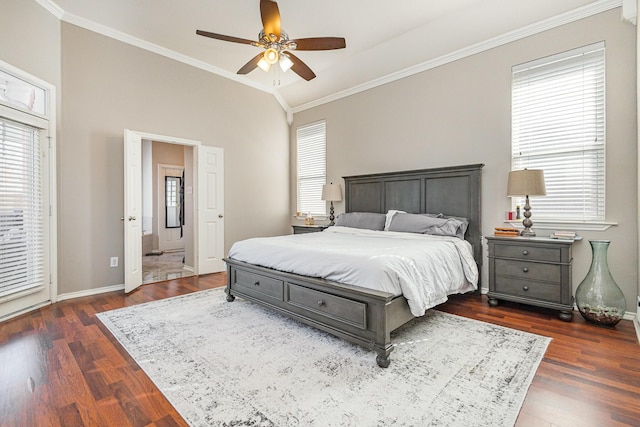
[[423, 268]]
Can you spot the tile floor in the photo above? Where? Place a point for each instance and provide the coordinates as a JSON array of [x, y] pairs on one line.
[[168, 266]]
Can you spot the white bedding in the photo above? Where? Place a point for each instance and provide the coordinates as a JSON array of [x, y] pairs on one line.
[[423, 268]]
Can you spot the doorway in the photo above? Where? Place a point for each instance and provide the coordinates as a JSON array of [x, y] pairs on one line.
[[203, 201], [165, 208]]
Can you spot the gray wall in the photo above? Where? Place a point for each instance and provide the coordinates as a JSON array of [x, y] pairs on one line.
[[104, 86], [110, 86], [460, 113]]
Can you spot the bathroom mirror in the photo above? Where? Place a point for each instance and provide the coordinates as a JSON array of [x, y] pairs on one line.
[[172, 201]]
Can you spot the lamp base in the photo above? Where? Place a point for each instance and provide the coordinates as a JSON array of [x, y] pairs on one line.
[[331, 216], [527, 232]]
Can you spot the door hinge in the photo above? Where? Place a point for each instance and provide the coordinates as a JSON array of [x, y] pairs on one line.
[[50, 210]]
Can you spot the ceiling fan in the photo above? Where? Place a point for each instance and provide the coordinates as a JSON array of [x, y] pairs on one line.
[[277, 44]]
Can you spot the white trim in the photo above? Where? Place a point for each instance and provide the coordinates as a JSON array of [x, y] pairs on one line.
[[24, 311], [630, 11], [52, 8], [90, 292], [547, 24], [160, 50], [521, 33]]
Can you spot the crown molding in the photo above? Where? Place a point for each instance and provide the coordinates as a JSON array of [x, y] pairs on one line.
[[51, 7], [70, 18], [538, 27], [630, 11], [547, 24]]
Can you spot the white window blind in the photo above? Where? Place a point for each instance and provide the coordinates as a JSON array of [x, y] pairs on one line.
[[21, 213], [312, 167], [558, 125]]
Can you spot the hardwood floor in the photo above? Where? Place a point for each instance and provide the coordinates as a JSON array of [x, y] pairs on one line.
[[60, 367]]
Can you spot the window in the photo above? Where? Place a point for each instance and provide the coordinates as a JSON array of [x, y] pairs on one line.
[[312, 170], [558, 125], [27, 192], [21, 211]]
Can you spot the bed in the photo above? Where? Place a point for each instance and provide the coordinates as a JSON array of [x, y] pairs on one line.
[[357, 313]]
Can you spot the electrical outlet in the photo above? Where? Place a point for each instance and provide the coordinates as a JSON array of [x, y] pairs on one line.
[[114, 261]]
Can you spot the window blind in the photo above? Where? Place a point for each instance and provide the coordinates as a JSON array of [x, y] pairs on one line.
[[558, 125], [312, 167], [21, 212]]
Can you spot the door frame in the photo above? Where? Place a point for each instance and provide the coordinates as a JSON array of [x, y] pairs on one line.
[[132, 283]]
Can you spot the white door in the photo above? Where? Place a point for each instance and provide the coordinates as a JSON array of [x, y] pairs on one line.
[[209, 182], [170, 233], [210, 210], [132, 210]]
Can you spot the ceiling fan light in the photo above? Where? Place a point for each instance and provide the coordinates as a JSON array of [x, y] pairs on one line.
[[264, 65], [270, 55], [285, 62]]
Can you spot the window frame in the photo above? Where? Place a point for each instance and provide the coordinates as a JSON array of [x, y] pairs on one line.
[[314, 179], [541, 153], [46, 125]]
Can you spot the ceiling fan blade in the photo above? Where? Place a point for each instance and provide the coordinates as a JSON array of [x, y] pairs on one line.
[[225, 38], [300, 68], [270, 15], [320, 43], [251, 65]]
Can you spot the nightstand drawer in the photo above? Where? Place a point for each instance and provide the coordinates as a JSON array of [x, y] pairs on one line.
[[528, 270], [528, 289], [530, 252], [256, 283]]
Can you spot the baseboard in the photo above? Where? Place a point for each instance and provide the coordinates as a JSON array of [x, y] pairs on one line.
[[189, 269], [90, 292], [24, 311]]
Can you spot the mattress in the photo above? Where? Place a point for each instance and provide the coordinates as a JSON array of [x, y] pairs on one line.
[[425, 269]]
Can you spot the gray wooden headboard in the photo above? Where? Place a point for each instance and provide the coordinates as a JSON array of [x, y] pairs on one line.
[[451, 190]]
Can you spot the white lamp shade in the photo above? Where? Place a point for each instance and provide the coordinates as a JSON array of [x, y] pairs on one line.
[[526, 182], [331, 192], [285, 62]]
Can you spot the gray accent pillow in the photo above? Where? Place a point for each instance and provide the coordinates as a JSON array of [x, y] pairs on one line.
[[426, 224], [367, 220]]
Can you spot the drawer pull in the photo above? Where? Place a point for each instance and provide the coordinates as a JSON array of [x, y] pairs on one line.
[[321, 303], [525, 252], [256, 283], [525, 269], [525, 288]]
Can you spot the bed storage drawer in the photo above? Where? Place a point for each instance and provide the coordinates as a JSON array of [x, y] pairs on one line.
[[333, 307], [252, 283]]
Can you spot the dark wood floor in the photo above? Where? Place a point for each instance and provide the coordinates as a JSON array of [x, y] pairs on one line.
[[59, 366]]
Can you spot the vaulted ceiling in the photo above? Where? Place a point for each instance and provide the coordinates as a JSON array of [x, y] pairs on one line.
[[385, 40]]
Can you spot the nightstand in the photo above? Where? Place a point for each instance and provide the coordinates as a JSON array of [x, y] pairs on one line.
[[531, 270], [301, 229]]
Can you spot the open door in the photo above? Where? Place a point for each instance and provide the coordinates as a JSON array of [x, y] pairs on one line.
[[210, 210], [209, 206], [132, 210]]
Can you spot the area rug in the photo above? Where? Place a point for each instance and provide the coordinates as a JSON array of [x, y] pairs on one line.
[[238, 364]]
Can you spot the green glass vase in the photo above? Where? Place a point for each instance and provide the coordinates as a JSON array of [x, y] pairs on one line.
[[598, 297]]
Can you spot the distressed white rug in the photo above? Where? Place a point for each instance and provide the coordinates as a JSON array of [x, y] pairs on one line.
[[238, 364]]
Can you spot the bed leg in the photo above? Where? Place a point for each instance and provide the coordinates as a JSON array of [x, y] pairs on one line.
[[383, 360]]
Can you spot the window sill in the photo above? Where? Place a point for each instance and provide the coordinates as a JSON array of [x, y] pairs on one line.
[[566, 225]]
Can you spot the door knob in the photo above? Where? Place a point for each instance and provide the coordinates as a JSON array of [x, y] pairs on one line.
[[220, 215], [132, 218]]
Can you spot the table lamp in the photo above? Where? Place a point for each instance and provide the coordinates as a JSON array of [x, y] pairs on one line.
[[526, 182]]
